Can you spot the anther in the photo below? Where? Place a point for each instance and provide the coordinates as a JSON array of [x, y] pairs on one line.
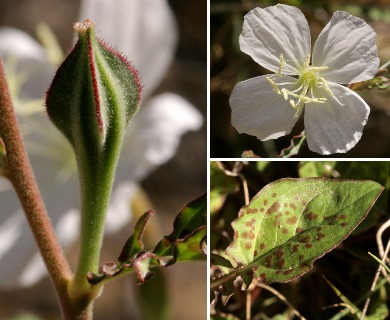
[[307, 62], [282, 64]]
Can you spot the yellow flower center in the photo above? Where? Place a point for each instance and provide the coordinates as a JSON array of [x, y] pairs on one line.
[[309, 78]]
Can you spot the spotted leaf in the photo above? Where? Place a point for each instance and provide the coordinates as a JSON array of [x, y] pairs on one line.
[[292, 222]]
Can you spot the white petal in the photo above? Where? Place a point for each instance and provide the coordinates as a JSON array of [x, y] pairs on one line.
[[10, 230], [67, 230], [17, 247], [119, 213], [259, 111], [155, 133], [18, 43], [67, 227], [347, 45], [268, 32], [33, 271], [336, 125], [28, 59], [144, 30]]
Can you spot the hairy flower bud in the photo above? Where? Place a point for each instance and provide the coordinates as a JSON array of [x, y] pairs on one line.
[[95, 92]]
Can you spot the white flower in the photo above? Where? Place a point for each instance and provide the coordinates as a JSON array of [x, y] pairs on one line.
[[278, 38], [149, 40]]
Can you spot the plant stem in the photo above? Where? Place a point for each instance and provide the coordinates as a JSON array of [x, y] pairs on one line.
[[281, 297], [97, 173], [376, 278], [95, 200], [19, 172]]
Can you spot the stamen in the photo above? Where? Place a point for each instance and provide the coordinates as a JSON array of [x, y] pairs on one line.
[[273, 84], [317, 69], [285, 93], [282, 64], [324, 84], [307, 62]]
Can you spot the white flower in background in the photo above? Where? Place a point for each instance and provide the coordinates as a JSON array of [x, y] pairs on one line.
[[146, 33], [278, 38]]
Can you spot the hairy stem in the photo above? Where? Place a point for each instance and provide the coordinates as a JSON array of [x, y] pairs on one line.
[[19, 172]]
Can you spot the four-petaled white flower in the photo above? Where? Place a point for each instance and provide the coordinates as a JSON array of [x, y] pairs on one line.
[[278, 38]]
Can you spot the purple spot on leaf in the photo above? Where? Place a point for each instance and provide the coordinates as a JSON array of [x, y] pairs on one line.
[[279, 253], [311, 216], [320, 235], [305, 239], [268, 261], [280, 263], [288, 271], [298, 230], [292, 220]]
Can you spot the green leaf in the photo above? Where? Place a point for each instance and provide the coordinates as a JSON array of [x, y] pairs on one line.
[[189, 248], [344, 298], [185, 243], [143, 266], [190, 217], [134, 244], [377, 171], [218, 260], [310, 169], [292, 222]]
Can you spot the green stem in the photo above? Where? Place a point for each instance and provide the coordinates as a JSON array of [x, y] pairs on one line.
[[215, 284], [19, 172], [97, 173], [95, 202]]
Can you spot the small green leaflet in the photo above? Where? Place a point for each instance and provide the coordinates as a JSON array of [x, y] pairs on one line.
[[292, 222]]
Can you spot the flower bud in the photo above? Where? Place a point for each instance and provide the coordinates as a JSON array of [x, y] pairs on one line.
[[94, 94]]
